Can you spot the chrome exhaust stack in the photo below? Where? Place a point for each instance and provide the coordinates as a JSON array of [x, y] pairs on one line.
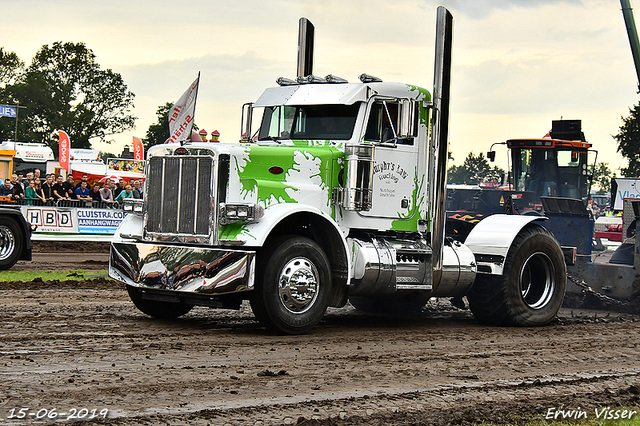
[[306, 32], [439, 141]]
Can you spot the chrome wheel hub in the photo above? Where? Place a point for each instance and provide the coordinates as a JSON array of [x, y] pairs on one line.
[[7, 242], [298, 285]]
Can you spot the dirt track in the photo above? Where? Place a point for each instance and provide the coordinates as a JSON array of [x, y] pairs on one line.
[[74, 345]]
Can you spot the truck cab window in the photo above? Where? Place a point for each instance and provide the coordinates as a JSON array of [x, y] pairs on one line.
[[335, 122], [382, 125], [276, 122]]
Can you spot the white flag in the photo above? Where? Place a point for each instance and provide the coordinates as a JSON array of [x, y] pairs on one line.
[[182, 113]]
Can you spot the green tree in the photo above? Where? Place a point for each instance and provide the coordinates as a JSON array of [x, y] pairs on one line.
[[10, 67], [158, 132], [628, 139], [458, 174], [602, 175], [474, 170], [64, 88], [106, 155]]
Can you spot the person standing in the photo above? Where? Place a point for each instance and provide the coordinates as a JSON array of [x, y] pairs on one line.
[[85, 178], [58, 189], [106, 196], [94, 193], [137, 189], [70, 187], [38, 187], [27, 179], [82, 193], [119, 188], [18, 190], [47, 189], [30, 193], [126, 193], [6, 190]]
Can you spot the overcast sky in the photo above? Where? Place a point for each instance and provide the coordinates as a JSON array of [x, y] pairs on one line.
[[518, 64]]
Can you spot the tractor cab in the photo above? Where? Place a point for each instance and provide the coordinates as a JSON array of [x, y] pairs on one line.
[[550, 167]]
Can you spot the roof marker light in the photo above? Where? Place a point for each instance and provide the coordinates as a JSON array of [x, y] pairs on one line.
[[367, 78]]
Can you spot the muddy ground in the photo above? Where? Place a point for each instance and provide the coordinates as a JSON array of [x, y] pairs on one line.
[[68, 346]]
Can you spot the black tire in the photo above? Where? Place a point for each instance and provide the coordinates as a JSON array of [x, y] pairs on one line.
[[11, 243], [531, 289], [157, 309], [293, 285]]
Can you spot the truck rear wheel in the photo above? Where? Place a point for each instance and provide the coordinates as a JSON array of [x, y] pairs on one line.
[[531, 289], [293, 285], [157, 309], [11, 243]]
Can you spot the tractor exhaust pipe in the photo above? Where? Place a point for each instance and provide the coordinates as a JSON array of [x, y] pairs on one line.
[[632, 33], [439, 143], [306, 32]]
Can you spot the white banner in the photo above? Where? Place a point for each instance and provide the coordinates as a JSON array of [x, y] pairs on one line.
[[73, 220], [182, 113]]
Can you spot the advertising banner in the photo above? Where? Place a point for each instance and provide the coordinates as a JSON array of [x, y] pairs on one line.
[[50, 219], [63, 148], [138, 149], [121, 165]]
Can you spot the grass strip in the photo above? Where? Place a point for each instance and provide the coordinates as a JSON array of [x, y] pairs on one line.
[[78, 275]]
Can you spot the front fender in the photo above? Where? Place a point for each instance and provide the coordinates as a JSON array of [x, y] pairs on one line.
[[492, 237], [255, 234]]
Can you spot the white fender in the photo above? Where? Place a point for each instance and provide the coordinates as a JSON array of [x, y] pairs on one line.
[[255, 234], [492, 237]]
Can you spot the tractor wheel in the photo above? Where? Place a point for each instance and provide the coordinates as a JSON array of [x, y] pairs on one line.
[[531, 289]]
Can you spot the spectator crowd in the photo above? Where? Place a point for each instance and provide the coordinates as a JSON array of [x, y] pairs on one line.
[[56, 191]]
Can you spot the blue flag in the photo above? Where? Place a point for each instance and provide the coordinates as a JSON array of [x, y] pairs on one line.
[[7, 111]]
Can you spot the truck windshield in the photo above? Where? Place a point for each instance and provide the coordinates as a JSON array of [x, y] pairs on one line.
[[309, 122]]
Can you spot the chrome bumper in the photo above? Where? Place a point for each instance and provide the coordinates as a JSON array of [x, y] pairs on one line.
[[181, 268]]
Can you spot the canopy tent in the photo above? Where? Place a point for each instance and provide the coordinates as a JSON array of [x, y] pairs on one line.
[[97, 171]]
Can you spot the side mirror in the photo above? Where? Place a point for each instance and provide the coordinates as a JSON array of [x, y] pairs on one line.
[[491, 155], [247, 118], [408, 125]]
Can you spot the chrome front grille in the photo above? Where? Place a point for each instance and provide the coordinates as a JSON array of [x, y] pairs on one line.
[[180, 199]]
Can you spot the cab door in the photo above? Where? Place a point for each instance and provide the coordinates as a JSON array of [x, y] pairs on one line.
[[395, 162]]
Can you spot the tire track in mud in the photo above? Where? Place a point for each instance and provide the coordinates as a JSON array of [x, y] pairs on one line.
[[423, 405], [73, 345]]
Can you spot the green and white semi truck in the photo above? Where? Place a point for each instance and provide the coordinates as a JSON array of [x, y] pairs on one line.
[[339, 195]]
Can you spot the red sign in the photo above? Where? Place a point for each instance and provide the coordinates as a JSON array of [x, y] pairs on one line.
[[138, 149], [63, 150]]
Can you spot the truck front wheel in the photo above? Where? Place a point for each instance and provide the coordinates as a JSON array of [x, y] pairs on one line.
[[293, 285], [157, 309], [531, 289], [11, 243]]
